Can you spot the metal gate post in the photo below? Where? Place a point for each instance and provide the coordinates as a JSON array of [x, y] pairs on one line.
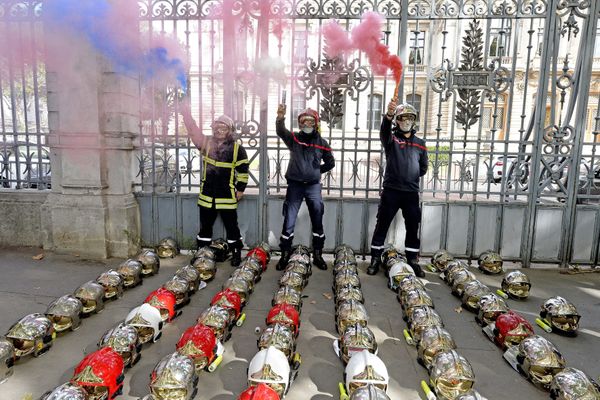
[[583, 89], [527, 243], [263, 32]]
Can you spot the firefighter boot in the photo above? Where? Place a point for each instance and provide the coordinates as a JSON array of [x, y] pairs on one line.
[[374, 267], [414, 263], [318, 260], [285, 257], [236, 257]]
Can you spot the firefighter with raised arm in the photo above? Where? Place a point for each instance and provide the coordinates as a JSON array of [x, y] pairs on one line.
[[310, 156], [406, 163], [224, 179]]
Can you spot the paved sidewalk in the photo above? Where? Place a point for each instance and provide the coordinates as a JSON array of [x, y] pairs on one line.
[[28, 285]]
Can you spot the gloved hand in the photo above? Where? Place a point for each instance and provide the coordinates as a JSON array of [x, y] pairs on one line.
[[281, 111]]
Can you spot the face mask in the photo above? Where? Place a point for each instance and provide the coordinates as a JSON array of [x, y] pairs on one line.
[[405, 125], [308, 129]]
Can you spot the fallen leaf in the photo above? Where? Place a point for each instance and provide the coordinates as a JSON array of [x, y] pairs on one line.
[[328, 296], [458, 309], [38, 257]]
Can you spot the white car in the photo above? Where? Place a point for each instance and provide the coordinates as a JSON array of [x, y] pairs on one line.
[[498, 166]]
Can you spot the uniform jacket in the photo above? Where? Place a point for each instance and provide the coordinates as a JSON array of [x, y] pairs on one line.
[[406, 158], [310, 155], [224, 169]]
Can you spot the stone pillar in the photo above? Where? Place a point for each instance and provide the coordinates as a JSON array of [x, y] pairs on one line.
[[93, 119]]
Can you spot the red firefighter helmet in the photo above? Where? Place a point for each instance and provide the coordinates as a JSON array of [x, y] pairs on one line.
[[199, 343], [164, 301], [100, 374], [284, 314], [259, 392], [511, 328], [230, 300], [260, 254]]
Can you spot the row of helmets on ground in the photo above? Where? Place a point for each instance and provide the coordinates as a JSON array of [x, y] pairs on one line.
[[100, 374], [34, 334], [274, 367], [450, 374], [200, 347], [365, 374], [533, 355]]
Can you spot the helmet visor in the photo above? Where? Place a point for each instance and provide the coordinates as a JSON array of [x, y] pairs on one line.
[[61, 322], [95, 392], [169, 394], [145, 333]]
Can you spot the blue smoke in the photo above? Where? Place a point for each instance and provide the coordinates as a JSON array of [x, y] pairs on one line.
[[89, 17]]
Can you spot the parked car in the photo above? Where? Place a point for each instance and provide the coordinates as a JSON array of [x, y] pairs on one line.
[[498, 166]]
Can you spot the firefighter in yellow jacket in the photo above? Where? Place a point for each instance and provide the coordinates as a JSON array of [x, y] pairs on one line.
[[224, 179]]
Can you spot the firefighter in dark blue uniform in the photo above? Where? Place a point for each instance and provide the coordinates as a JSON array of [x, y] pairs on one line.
[[406, 163], [310, 156], [224, 179]]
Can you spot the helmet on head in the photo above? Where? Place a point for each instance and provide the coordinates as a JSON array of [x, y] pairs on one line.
[[490, 262], [310, 113], [100, 374], [7, 359], [150, 262], [259, 392], [32, 334], [270, 366], [440, 260], [64, 313], [225, 120], [510, 330], [365, 369], [516, 284], [561, 314], [539, 360], [131, 272], [148, 322], [356, 338], [200, 344], [573, 384], [174, 377], [66, 391], [434, 340], [164, 301], [123, 339], [405, 110], [91, 295], [167, 248], [113, 284], [451, 374]]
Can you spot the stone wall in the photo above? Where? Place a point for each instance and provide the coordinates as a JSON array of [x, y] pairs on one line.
[[21, 218]]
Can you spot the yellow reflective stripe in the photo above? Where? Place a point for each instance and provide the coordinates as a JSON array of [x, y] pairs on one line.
[[226, 206], [219, 164], [205, 197], [204, 204], [225, 200], [242, 162], [242, 178]]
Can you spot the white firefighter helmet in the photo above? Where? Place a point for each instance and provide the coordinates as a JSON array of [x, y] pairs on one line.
[[398, 271], [270, 366], [365, 369], [148, 322]]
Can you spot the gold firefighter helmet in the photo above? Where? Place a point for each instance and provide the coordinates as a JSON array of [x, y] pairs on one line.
[[539, 360], [516, 284], [434, 340], [451, 375]]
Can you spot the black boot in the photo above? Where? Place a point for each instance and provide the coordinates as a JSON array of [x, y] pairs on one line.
[[416, 267], [285, 257], [374, 267], [318, 260], [236, 257]]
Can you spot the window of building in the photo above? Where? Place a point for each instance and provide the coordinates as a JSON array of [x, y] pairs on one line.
[[300, 39], [417, 48], [500, 38], [489, 123], [375, 111], [298, 105], [597, 44]]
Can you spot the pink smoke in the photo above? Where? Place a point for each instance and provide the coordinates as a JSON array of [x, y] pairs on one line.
[[366, 37]]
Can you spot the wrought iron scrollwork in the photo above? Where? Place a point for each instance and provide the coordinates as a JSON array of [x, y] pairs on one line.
[[572, 9]]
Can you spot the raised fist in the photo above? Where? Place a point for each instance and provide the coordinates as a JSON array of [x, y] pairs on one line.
[[281, 111], [392, 107]]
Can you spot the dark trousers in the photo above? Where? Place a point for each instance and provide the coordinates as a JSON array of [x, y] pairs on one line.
[[208, 216], [391, 201], [296, 192]]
